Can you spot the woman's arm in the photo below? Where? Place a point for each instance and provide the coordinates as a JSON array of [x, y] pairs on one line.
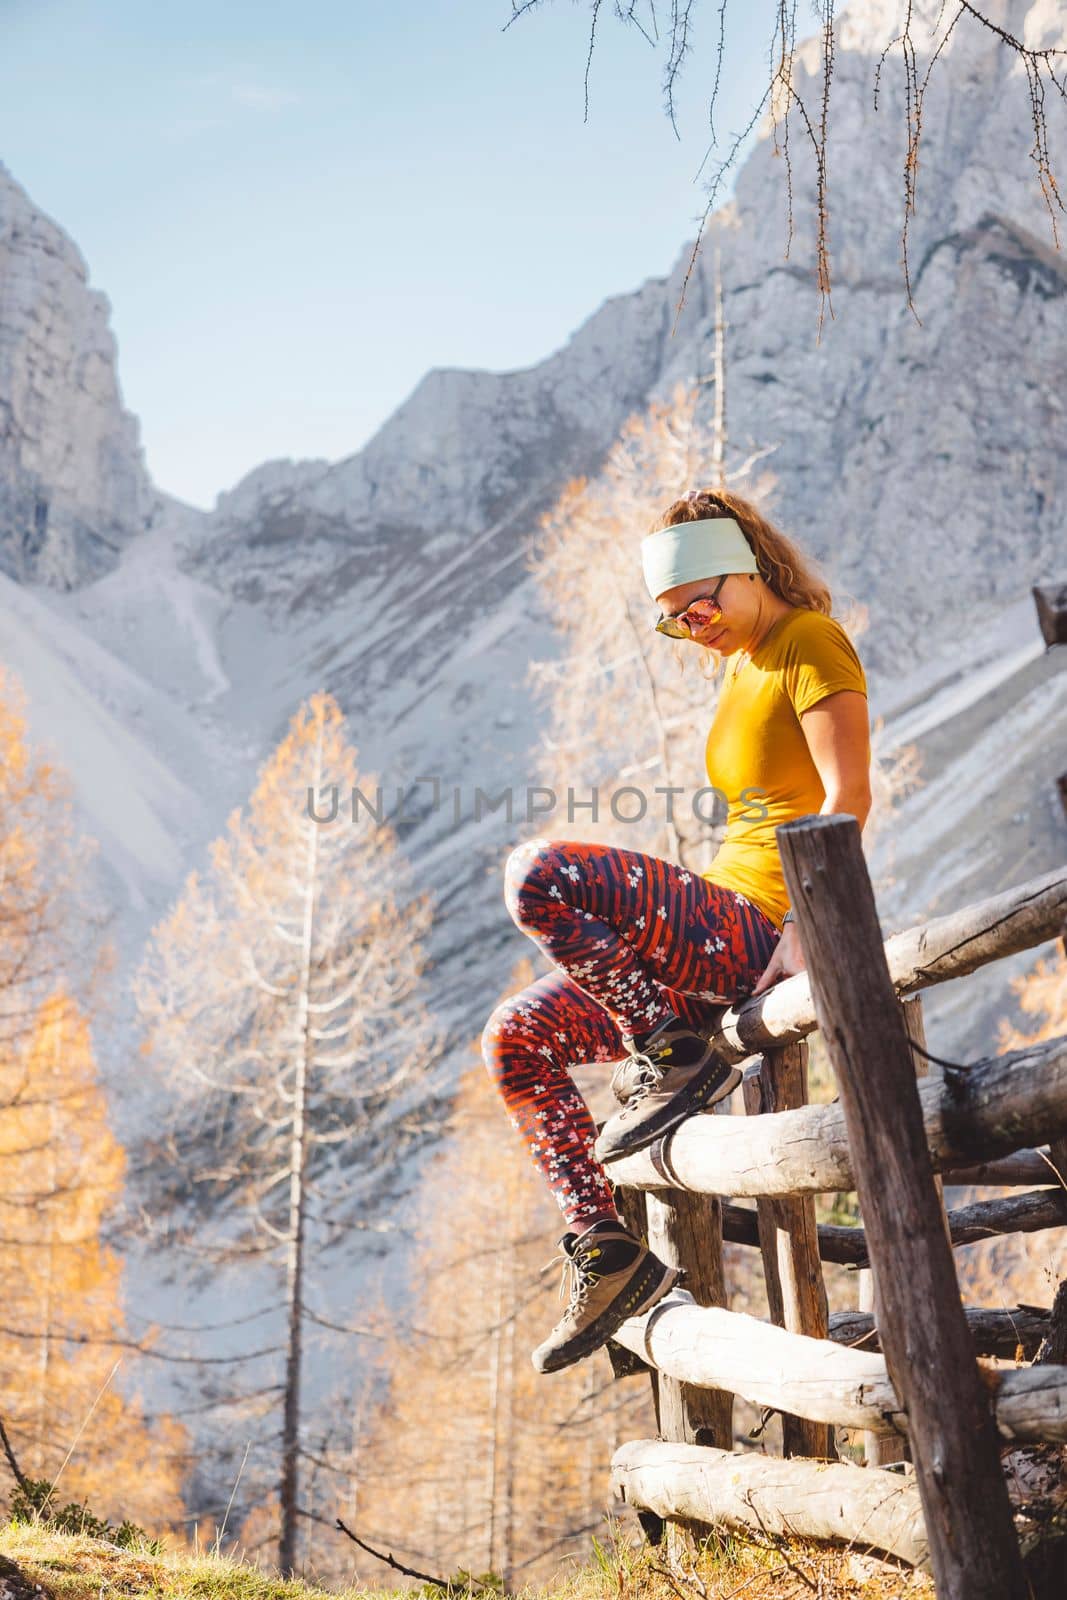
[[839, 737], [838, 732]]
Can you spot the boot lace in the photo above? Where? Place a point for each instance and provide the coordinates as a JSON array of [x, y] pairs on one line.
[[650, 1063], [576, 1281]]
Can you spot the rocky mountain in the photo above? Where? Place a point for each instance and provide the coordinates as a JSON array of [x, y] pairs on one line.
[[73, 486], [918, 455], [918, 451]]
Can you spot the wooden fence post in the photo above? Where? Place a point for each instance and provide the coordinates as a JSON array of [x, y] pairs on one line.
[[685, 1230], [1051, 602], [878, 1449], [789, 1241], [929, 1353]]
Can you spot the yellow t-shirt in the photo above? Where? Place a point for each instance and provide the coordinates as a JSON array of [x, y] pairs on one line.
[[756, 753]]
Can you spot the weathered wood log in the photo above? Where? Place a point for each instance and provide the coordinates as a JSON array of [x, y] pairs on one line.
[[1051, 602], [1010, 1334], [769, 1366], [933, 952], [1008, 1172], [984, 1219], [1000, 1104], [973, 1549], [1030, 1403], [758, 1494], [818, 1378], [1018, 1213], [796, 1296]]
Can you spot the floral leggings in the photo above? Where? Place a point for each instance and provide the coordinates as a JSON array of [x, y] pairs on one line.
[[633, 939]]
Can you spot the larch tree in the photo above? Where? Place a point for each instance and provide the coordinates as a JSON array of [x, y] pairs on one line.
[[617, 697], [49, 927], [63, 1335], [63, 1340], [1042, 994], [628, 710], [281, 1000], [917, 47], [470, 1460]]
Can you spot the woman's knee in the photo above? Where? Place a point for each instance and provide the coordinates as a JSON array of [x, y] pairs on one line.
[[500, 1031], [528, 868]]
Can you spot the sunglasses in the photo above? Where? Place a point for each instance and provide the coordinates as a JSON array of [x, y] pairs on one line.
[[706, 609]]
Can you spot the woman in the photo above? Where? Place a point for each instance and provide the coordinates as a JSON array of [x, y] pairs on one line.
[[646, 955]]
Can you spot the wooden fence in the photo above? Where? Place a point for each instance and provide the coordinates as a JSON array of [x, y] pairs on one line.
[[903, 1369]]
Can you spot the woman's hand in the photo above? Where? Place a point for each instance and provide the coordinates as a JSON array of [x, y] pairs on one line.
[[787, 960]]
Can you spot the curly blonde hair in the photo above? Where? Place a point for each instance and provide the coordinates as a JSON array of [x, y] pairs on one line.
[[782, 566]]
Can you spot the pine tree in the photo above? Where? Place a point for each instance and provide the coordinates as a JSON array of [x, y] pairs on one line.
[[280, 999]]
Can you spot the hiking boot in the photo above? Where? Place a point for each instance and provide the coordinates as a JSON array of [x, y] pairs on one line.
[[627, 1073], [675, 1071], [613, 1276]]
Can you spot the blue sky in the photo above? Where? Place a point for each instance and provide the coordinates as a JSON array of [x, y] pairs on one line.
[[297, 210]]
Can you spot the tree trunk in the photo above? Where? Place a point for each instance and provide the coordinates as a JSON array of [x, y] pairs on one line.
[[289, 1488]]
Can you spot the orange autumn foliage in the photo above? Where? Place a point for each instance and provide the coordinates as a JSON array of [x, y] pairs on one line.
[[61, 1172], [471, 1459]]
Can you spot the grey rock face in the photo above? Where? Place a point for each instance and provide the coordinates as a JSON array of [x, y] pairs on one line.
[[917, 450], [73, 485]]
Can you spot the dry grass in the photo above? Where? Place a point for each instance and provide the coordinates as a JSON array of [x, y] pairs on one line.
[[72, 1567], [724, 1566]]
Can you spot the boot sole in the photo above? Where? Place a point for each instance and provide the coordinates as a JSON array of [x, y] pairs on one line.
[[706, 1094], [636, 1298]]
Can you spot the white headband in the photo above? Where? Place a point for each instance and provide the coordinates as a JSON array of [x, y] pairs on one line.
[[690, 550]]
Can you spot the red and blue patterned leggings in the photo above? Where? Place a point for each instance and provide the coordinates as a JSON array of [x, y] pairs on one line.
[[633, 939]]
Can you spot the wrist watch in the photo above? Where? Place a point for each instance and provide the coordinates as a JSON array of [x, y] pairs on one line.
[[790, 916]]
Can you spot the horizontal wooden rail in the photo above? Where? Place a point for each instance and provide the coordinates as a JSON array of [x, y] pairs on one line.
[[1004, 1333], [817, 1378], [833, 1501], [985, 1219], [999, 1105], [1018, 919], [1006, 1172]]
